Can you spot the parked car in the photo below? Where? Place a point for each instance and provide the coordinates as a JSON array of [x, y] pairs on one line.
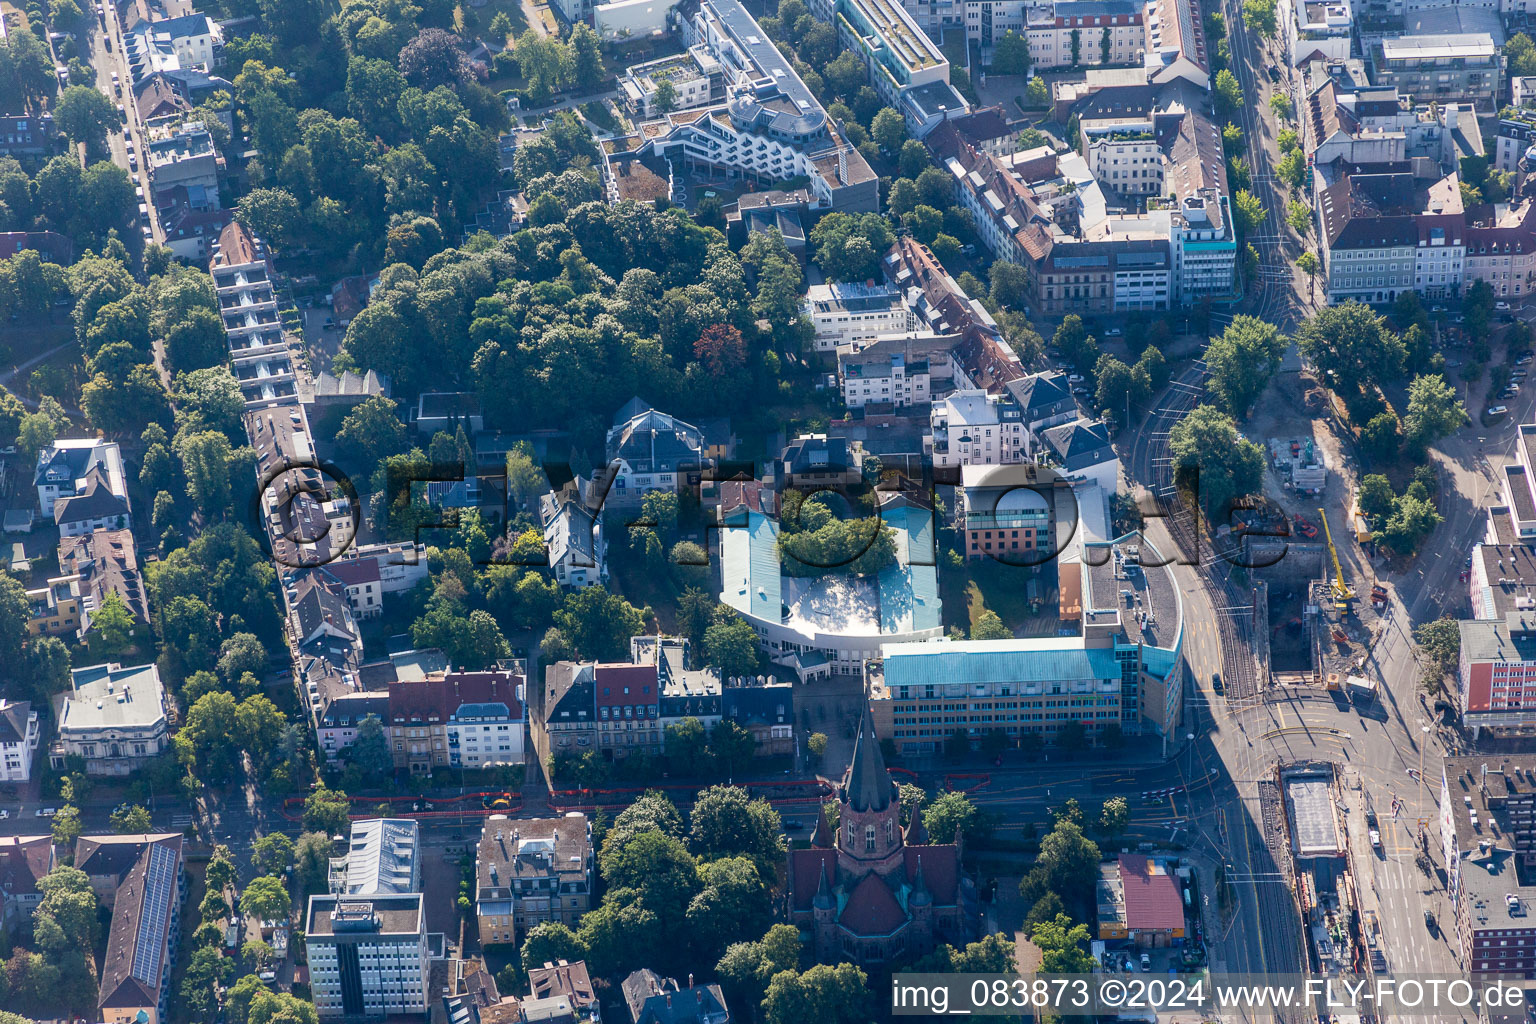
[[47, 812], [1114, 332], [1501, 306], [1375, 839], [1074, 378], [4, 813], [1146, 962], [1497, 410]]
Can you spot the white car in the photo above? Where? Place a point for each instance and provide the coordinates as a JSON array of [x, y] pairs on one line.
[[135, 178], [1375, 839], [1497, 410], [267, 976], [47, 812], [4, 814], [1501, 306]]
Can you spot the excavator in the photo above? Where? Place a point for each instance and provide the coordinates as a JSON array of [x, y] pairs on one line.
[[1342, 595]]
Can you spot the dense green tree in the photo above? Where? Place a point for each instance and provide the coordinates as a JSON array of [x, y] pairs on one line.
[[826, 994], [733, 746], [266, 898], [1211, 458], [1352, 345], [949, 816], [1076, 345], [1433, 411], [550, 942], [1062, 944], [725, 822], [1242, 360], [599, 624], [326, 811], [84, 114], [272, 854]]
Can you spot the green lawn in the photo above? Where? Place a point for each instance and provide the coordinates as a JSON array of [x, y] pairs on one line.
[[986, 585]]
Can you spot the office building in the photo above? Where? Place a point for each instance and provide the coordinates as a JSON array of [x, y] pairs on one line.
[[367, 955]]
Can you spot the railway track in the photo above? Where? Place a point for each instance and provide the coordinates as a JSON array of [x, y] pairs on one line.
[[1152, 458]]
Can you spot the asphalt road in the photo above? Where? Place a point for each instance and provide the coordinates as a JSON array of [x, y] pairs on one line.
[[106, 62]]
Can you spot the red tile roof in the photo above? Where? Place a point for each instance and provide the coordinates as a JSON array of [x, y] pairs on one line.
[[941, 871], [872, 908], [438, 698], [1152, 901], [803, 865], [614, 679]]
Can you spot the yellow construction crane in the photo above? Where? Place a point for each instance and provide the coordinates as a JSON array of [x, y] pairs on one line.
[[1342, 595]]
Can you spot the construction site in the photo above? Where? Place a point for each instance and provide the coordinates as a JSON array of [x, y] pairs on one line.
[[1321, 625]]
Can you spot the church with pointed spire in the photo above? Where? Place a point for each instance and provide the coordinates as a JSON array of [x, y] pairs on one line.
[[869, 891]]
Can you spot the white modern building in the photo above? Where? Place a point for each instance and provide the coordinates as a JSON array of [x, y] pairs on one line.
[[696, 79], [847, 312], [367, 955], [18, 740], [840, 616], [767, 128]]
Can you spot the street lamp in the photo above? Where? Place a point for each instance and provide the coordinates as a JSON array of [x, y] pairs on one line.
[[1419, 812], [1191, 738]]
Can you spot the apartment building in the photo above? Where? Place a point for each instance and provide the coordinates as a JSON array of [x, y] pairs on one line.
[[81, 486], [1183, 248], [612, 708], [1370, 236], [1513, 136], [457, 719], [649, 450], [105, 563], [182, 155], [843, 313], [574, 540], [768, 128], [1175, 44], [888, 371], [973, 428], [367, 955], [18, 740], [1067, 33], [24, 861], [1320, 27], [142, 941], [1501, 247], [55, 610], [531, 870], [114, 718], [259, 355], [1444, 68]]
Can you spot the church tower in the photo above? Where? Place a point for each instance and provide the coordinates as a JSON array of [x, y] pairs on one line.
[[869, 836]]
